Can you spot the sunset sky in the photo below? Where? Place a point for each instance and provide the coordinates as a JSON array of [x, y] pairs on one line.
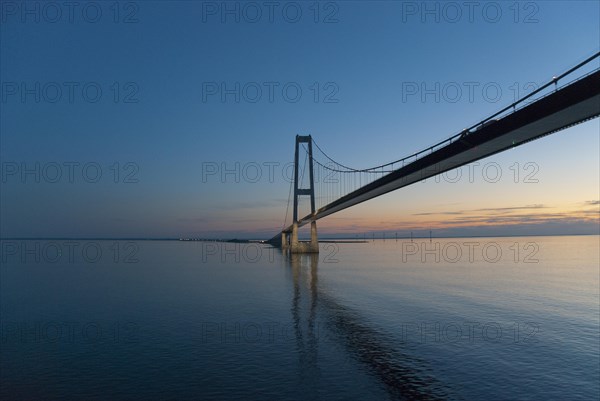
[[168, 112]]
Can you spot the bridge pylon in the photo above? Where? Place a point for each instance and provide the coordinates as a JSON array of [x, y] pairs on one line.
[[296, 246]]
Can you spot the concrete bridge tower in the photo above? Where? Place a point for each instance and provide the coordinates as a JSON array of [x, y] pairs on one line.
[[295, 246]]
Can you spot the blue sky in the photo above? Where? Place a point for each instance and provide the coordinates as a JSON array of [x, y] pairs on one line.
[[161, 120]]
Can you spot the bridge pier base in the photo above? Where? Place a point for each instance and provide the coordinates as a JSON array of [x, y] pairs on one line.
[[304, 247]]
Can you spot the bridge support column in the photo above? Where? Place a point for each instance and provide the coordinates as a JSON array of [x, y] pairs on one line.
[[284, 240], [314, 241], [294, 243]]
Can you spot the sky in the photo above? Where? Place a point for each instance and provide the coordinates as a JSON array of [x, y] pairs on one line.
[[178, 118]]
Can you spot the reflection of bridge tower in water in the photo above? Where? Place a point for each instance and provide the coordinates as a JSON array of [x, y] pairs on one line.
[[294, 245], [319, 319], [306, 328]]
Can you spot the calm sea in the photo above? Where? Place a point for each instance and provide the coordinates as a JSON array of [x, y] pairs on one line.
[[457, 319]]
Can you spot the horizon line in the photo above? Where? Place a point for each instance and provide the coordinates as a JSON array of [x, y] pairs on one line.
[[189, 239]]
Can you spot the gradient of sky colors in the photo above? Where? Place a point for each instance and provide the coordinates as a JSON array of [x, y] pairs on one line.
[[363, 54]]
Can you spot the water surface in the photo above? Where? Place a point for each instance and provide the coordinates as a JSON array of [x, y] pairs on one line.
[[459, 319]]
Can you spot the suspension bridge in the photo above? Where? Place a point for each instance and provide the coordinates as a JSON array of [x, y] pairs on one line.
[[549, 109]]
